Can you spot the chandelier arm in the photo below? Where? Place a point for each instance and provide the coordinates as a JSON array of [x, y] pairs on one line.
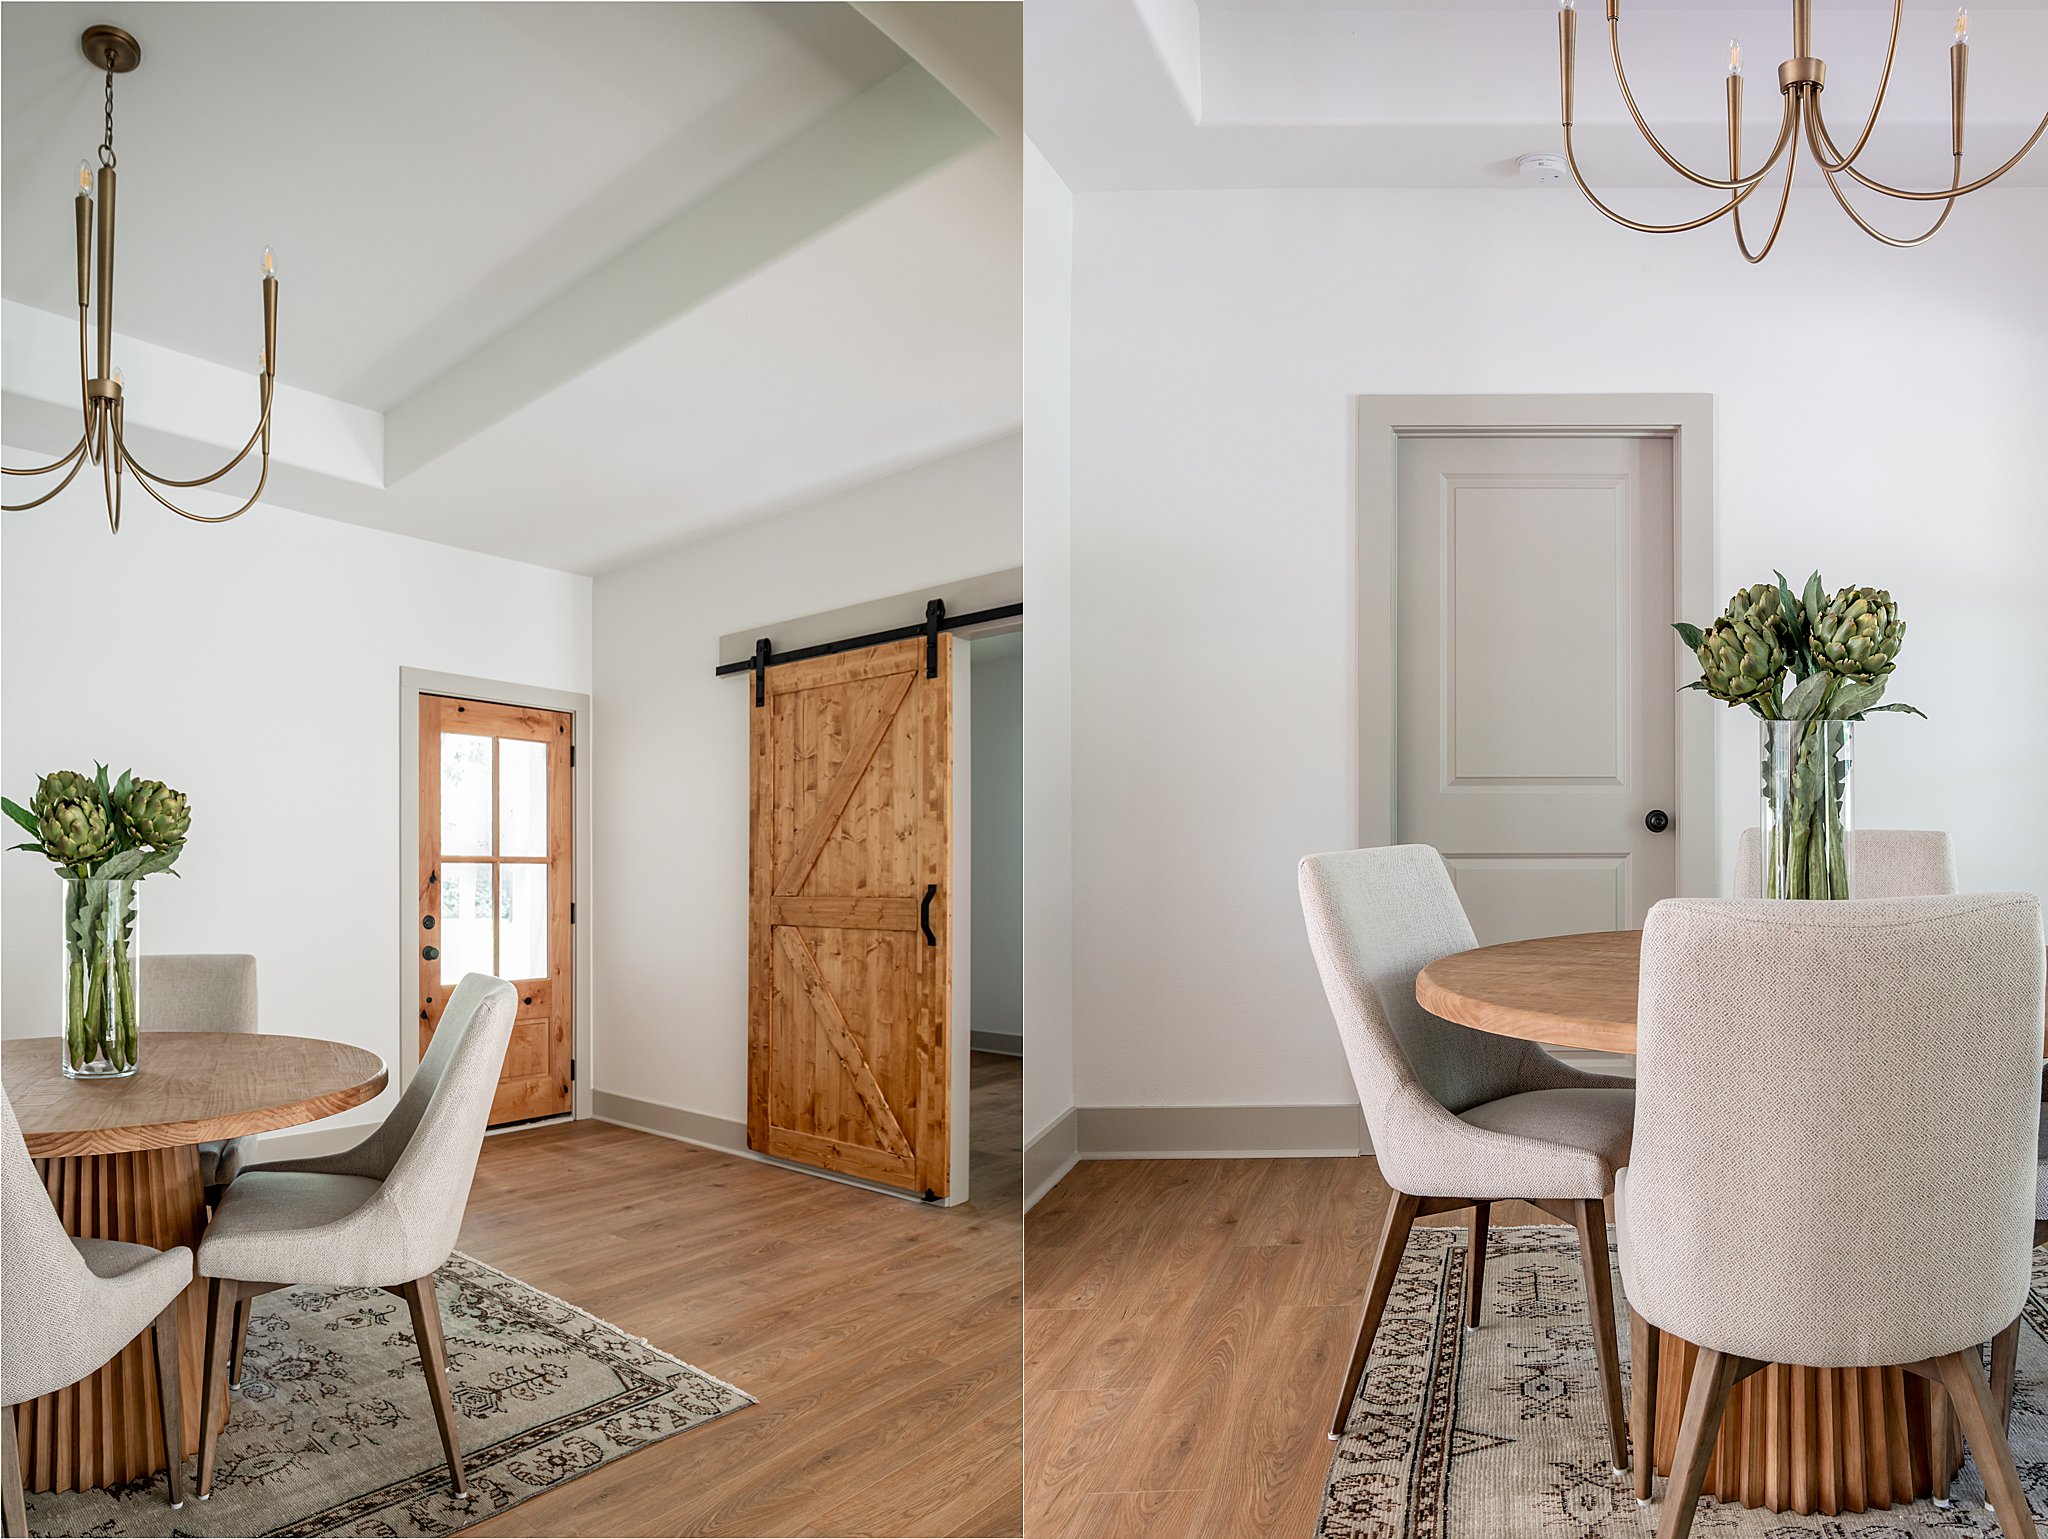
[[78, 464], [1572, 160], [1912, 196], [84, 396], [142, 479], [110, 475], [1621, 78], [1876, 234], [262, 422], [1876, 106], [43, 470], [1777, 224]]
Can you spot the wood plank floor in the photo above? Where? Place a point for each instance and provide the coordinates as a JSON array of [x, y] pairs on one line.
[[1187, 1326], [881, 1337]]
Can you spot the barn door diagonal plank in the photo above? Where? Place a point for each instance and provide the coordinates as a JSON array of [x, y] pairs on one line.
[[833, 1019], [812, 840]]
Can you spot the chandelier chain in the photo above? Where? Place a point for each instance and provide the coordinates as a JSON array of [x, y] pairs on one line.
[[107, 144]]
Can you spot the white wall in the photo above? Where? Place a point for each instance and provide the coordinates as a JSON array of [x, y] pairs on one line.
[[997, 868], [671, 770], [1878, 416], [254, 666], [1048, 649]]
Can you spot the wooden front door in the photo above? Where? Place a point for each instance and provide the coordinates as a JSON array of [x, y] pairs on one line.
[[496, 881], [849, 1026]]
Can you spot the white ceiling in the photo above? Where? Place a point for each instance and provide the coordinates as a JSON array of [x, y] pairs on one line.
[[1383, 93], [441, 179]]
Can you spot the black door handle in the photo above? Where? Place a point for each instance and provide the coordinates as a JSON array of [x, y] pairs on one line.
[[1657, 820], [924, 914], [431, 953]]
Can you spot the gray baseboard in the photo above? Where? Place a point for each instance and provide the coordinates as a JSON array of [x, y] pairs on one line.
[[1009, 1043], [1049, 1156], [1219, 1132]]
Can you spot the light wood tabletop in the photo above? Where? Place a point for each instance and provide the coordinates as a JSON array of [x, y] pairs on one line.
[[120, 1160], [192, 1086]]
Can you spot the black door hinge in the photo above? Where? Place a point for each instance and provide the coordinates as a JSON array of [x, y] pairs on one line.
[[572, 1069], [572, 756], [572, 913]]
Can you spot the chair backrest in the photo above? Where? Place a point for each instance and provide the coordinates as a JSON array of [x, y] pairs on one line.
[[198, 992], [435, 1132], [1375, 919], [1883, 863], [1836, 1111], [44, 1306]]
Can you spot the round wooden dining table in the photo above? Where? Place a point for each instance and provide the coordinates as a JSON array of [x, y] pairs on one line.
[[120, 1159], [1794, 1439]]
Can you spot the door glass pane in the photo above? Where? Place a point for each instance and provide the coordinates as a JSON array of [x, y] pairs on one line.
[[522, 797], [465, 921], [523, 922], [465, 795]]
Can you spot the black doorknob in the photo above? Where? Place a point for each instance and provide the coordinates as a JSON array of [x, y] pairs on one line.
[[431, 953], [1657, 820], [426, 921]]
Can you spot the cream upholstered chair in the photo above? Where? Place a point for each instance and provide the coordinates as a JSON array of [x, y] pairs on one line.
[[1458, 1118], [383, 1214], [69, 1306], [200, 992], [1837, 1106], [1883, 863]]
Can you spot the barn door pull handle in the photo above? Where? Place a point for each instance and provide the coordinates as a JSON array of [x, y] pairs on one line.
[[924, 914]]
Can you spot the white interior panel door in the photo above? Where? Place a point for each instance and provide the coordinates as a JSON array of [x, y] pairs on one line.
[[1536, 722]]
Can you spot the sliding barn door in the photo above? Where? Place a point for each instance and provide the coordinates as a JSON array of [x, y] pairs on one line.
[[849, 1062]]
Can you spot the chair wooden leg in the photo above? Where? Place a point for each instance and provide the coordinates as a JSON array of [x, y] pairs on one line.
[[1475, 1262], [222, 1295], [1962, 1376], [2005, 1353], [1939, 1451], [1643, 1341], [170, 1403], [1592, 1224], [426, 1331], [1401, 1210], [1706, 1397], [243, 1309], [13, 1504]]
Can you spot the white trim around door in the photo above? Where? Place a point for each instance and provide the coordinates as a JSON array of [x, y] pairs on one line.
[[412, 683], [1383, 421]]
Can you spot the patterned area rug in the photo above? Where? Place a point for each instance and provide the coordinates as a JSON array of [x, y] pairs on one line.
[[1500, 1433], [332, 1431]]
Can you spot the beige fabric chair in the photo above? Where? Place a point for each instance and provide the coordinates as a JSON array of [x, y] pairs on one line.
[[1458, 1118], [383, 1214], [201, 992], [1834, 1165], [68, 1306], [1883, 863]]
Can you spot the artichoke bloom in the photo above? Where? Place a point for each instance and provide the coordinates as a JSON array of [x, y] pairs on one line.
[[76, 831], [1743, 655], [1858, 634], [155, 815], [63, 785]]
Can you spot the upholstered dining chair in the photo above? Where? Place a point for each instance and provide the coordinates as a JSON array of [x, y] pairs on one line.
[[383, 1214], [1459, 1119], [69, 1306], [201, 992], [1883, 863], [1837, 1107]]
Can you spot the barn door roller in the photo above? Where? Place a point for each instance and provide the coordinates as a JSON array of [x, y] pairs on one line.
[[936, 621]]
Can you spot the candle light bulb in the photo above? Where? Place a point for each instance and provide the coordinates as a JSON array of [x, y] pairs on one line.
[[1567, 5], [262, 361], [117, 375], [1734, 55], [269, 262], [1962, 26], [84, 180]]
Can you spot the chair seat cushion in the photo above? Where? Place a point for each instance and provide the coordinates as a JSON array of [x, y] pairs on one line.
[[220, 1162], [1565, 1143], [294, 1226]]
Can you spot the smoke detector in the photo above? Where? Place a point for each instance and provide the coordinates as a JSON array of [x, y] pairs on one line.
[[1545, 170]]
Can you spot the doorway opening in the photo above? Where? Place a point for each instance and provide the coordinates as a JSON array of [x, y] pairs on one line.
[[996, 966]]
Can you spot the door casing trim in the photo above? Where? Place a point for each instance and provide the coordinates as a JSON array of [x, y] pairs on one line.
[[412, 683], [1688, 422]]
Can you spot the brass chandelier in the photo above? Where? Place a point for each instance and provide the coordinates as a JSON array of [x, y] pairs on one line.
[[102, 443], [1800, 80]]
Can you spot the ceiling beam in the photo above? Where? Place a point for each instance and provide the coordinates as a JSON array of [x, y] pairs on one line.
[[895, 131], [973, 49]]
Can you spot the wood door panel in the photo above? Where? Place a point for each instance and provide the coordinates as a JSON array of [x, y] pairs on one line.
[[539, 1060], [848, 1017]]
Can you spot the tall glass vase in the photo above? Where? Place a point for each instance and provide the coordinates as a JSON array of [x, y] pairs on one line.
[[1806, 822], [100, 1017]]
